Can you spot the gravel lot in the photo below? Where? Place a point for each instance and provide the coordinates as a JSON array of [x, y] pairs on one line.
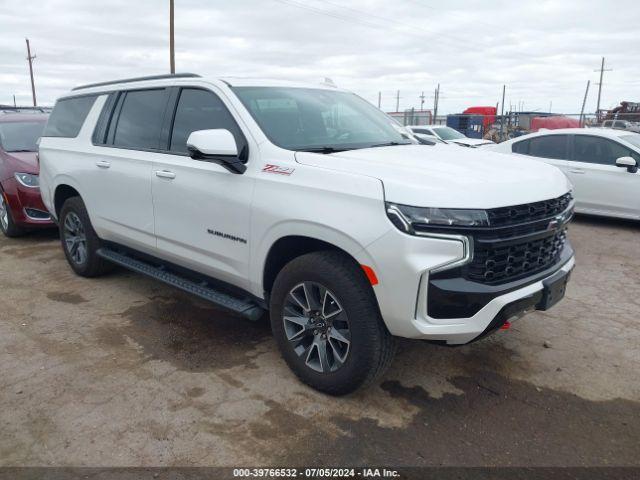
[[123, 371]]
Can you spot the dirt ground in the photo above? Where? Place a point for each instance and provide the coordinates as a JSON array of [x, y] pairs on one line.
[[124, 371]]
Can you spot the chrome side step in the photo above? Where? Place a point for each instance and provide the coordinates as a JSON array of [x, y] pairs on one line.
[[244, 307]]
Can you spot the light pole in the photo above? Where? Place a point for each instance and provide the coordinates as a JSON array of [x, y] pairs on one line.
[[172, 46]]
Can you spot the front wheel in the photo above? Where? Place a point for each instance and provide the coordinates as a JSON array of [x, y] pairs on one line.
[[326, 322], [7, 225]]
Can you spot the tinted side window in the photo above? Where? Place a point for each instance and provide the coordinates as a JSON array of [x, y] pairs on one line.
[[590, 149], [201, 110], [140, 119], [549, 146], [521, 147], [68, 116]]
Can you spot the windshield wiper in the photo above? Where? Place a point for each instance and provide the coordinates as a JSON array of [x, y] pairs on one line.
[[20, 151], [325, 149], [389, 144]]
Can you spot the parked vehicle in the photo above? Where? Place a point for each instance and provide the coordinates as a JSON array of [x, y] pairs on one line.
[[21, 207], [602, 164], [449, 135], [488, 115], [428, 139], [309, 202], [553, 122], [621, 125]]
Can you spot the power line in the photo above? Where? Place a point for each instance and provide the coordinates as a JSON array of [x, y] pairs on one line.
[[394, 21], [320, 11], [380, 22]]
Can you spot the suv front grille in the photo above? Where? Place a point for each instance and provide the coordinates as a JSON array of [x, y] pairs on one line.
[[521, 241], [529, 212], [503, 261]]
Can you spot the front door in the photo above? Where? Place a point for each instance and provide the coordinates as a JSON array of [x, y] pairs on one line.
[[600, 186], [202, 211]]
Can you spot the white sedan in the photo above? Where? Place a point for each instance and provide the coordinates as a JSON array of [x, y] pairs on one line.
[[449, 135], [602, 164]]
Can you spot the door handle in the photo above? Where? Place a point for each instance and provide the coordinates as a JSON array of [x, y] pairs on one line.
[[165, 174], [103, 164], [575, 170]]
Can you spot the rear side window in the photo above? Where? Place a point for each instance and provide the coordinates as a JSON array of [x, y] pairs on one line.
[[549, 146], [138, 124], [521, 147], [201, 110], [68, 116]]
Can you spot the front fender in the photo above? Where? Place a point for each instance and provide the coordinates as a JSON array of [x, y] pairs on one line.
[[314, 230]]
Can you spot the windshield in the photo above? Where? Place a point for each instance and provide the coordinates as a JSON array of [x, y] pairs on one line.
[[447, 133], [20, 136], [318, 119], [632, 139]]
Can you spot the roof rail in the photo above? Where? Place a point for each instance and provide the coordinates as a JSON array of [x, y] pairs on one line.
[[138, 79]]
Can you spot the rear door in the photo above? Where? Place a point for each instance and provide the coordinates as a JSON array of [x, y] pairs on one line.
[[128, 136], [552, 149], [600, 187], [202, 211]]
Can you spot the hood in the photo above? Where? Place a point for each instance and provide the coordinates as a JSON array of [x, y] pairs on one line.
[[441, 176], [471, 142], [23, 162]]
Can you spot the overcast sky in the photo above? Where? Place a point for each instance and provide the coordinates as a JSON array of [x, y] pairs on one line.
[[544, 51]]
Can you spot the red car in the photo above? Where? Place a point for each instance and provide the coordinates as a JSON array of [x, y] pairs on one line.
[[21, 207]]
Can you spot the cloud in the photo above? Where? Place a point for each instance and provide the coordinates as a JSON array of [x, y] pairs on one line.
[[543, 51]]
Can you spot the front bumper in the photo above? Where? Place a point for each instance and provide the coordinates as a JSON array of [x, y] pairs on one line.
[[496, 311], [27, 209], [404, 287]]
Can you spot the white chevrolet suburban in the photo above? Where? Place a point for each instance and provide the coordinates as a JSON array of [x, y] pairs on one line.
[[308, 202]]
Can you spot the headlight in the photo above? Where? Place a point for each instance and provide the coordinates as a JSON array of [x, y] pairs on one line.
[[406, 218], [28, 180]]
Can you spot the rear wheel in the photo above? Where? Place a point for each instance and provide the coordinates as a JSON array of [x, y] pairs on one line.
[[79, 240], [7, 225], [326, 322]]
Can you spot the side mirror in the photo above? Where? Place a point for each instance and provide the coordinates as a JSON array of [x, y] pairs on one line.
[[627, 162], [216, 146]]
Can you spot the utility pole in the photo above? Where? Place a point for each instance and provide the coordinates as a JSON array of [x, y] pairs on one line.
[[172, 45], [14, 100], [421, 97], [602, 70], [504, 88], [584, 101], [398, 101], [379, 99], [31, 58], [436, 99]]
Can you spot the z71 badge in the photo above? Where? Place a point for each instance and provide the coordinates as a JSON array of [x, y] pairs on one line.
[[270, 168]]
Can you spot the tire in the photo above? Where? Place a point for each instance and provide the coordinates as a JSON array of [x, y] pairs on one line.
[[7, 225], [80, 241], [350, 311]]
